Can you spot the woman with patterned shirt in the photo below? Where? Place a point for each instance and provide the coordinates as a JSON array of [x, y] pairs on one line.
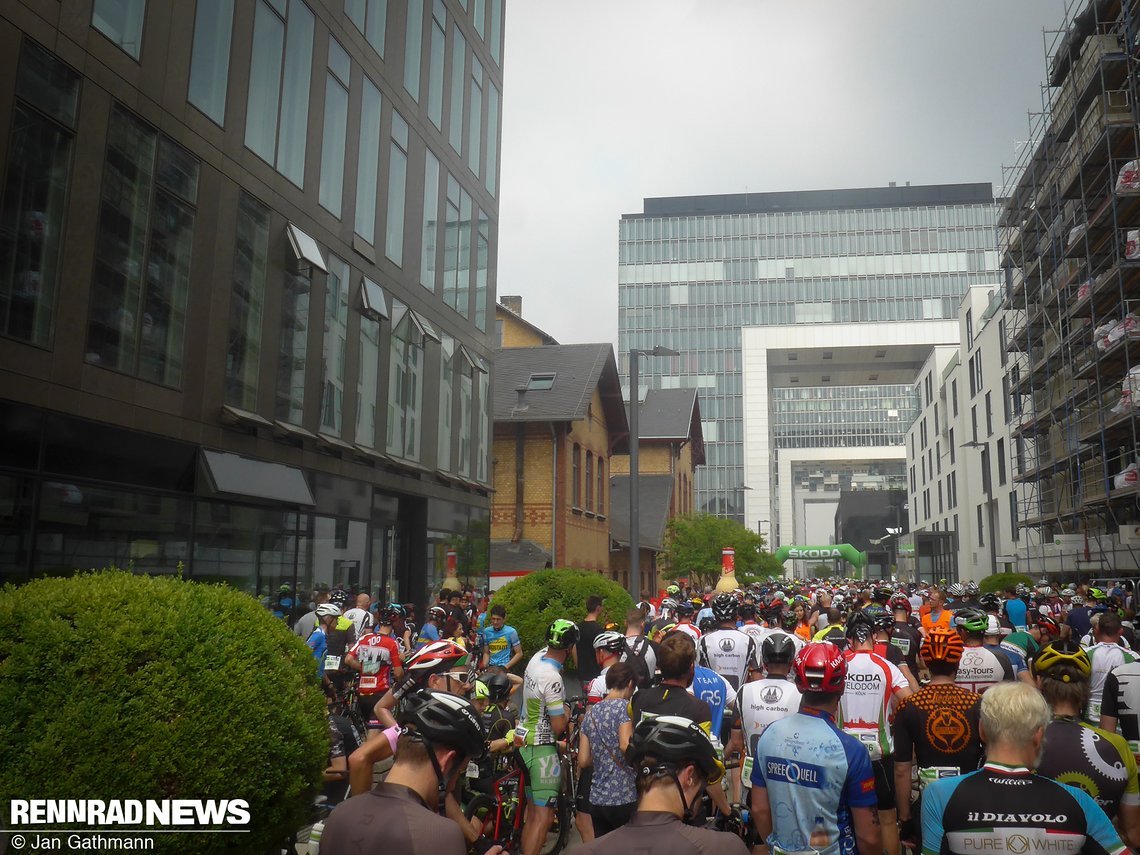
[[605, 735]]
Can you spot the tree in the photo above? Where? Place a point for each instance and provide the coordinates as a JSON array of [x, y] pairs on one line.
[[693, 547]]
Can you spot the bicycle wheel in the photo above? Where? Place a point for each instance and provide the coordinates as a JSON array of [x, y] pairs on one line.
[[559, 834], [482, 809]]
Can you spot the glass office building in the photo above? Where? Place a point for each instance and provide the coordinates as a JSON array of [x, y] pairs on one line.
[[247, 253], [695, 271]]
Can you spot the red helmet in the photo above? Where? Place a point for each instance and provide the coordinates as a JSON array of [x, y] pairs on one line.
[[436, 657], [1048, 624], [900, 601], [820, 667]]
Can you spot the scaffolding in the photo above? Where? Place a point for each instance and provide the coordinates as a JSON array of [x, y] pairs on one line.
[[1069, 244]]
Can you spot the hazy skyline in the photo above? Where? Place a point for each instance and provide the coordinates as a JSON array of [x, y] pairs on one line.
[[607, 102]]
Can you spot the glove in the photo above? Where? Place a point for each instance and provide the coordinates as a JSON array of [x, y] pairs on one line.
[[909, 831], [732, 822]]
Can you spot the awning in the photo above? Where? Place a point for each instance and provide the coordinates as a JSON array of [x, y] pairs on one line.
[[243, 476]]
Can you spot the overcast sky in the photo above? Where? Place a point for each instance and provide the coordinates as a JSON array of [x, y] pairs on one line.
[[607, 102]]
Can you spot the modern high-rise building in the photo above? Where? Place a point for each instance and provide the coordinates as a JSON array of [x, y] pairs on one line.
[[802, 318], [247, 261]]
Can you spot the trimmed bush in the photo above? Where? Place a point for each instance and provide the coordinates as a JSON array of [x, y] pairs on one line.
[[998, 582], [536, 600], [116, 686]]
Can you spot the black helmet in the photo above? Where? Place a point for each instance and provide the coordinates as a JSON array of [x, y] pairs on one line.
[[748, 611], [788, 620], [671, 741], [778, 648], [446, 719], [684, 607], [880, 617], [339, 598], [498, 686], [990, 602], [724, 607], [860, 627], [706, 624]]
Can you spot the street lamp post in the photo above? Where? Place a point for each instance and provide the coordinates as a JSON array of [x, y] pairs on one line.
[[634, 485]]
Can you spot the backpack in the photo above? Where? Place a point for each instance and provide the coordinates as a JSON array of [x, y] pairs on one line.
[[635, 658]]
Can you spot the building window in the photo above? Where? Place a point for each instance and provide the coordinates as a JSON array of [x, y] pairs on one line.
[[497, 30], [436, 59], [397, 191], [954, 395], [293, 344], [969, 329], [137, 316], [447, 359], [370, 17], [482, 458], [121, 21], [368, 376], [1001, 461], [1004, 352], [951, 445], [576, 476], [34, 194], [451, 245], [981, 527], [491, 173], [589, 480], [247, 302], [989, 416], [335, 132], [475, 129], [499, 325], [368, 169], [281, 64], [479, 14], [482, 262], [413, 48], [1005, 399], [1013, 527], [601, 497], [941, 509], [974, 423], [430, 221], [458, 90], [210, 57], [466, 390], [335, 347], [405, 374]]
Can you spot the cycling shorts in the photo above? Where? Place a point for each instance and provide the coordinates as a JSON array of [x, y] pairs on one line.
[[884, 770], [543, 774], [582, 805]]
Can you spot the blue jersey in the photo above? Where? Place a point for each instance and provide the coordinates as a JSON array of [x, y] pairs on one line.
[[428, 633], [1016, 659], [814, 774], [500, 644], [1005, 809], [1016, 611], [318, 643], [714, 690]]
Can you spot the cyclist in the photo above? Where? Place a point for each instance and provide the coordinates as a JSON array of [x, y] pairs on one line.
[[542, 719], [749, 625], [490, 698], [360, 615], [1120, 704], [501, 644], [992, 641], [376, 657], [873, 686], [726, 649], [327, 615], [684, 612], [811, 777], [1105, 655], [639, 651], [674, 762], [904, 632], [980, 667], [1004, 806], [609, 646], [936, 729], [1079, 754], [442, 732], [430, 631]]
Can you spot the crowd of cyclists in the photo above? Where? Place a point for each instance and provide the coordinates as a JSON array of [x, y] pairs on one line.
[[825, 717]]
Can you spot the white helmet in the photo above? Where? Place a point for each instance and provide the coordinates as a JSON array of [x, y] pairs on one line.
[[328, 610], [609, 640]]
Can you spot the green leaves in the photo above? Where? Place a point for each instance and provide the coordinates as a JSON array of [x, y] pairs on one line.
[[693, 550], [1000, 581]]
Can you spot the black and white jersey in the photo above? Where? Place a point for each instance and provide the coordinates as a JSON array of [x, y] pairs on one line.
[[728, 652]]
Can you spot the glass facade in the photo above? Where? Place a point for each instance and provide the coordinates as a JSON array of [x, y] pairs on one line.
[[122, 22], [210, 61], [335, 133], [690, 280]]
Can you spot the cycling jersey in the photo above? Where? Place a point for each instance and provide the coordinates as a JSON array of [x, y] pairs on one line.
[[500, 644], [390, 818], [937, 729], [1091, 759], [814, 774], [908, 640], [662, 834], [689, 630], [868, 693], [1104, 656], [377, 655], [982, 668], [715, 691], [757, 632], [428, 633], [596, 690], [760, 704], [665, 699], [1022, 643], [1017, 612], [1121, 700], [543, 695], [728, 652], [362, 619], [1016, 657], [1003, 809], [318, 643]]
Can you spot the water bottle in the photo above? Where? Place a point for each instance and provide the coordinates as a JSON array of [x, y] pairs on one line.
[[818, 840]]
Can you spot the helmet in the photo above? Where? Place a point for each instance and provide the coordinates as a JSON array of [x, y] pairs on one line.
[[444, 718], [609, 640], [973, 589], [1097, 594], [707, 623], [673, 590], [778, 647], [1066, 652], [481, 692], [398, 609], [882, 593], [820, 667], [724, 607], [671, 740], [384, 616], [1078, 600], [748, 611], [339, 597], [668, 604], [942, 645], [990, 602], [1047, 623], [328, 610], [860, 627], [1046, 591], [435, 657], [498, 686], [698, 602], [562, 634], [437, 613], [899, 602], [684, 607], [956, 589], [880, 617], [788, 620], [972, 620], [1020, 589]]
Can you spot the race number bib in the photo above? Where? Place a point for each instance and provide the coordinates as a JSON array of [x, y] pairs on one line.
[[472, 769], [870, 740], [746, 772], [332, 663], [520, 734], [929, 774]]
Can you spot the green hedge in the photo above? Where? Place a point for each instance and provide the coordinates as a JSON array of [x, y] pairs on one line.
[[116, 686], [534, 601], [998, 582]]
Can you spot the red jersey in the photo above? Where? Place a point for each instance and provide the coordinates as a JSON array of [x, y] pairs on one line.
[[377, 654]]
